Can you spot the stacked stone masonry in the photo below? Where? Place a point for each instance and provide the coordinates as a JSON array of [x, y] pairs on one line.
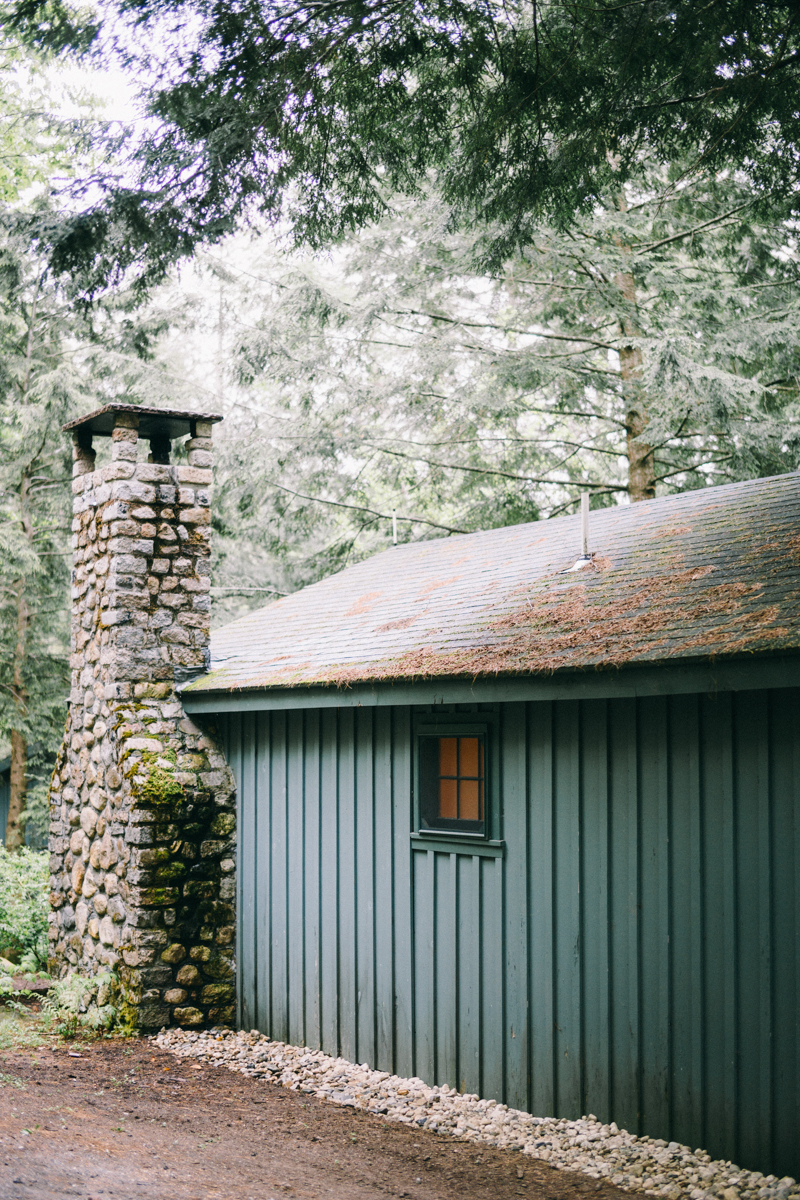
[[142, 830]]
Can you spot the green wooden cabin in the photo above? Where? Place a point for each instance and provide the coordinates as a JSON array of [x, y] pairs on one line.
[[533, 831]]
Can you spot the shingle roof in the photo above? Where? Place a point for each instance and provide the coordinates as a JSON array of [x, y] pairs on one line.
[[692, 576]]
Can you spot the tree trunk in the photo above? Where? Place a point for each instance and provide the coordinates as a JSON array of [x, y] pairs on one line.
[[641, 461], [18, 800], [15, 824]]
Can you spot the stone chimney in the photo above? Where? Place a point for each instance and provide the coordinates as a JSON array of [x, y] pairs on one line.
[[142, 802]]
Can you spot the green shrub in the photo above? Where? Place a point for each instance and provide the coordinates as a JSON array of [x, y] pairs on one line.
[[24, 907], [81, 1003]]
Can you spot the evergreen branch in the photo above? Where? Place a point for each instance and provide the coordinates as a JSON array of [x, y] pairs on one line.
[[556, 337], [710, 462], [677, 434], [789, 384], [363, 508], [677, 237], [480, 441], [494, 471], [554, 512], [761, 74], [570, 413]]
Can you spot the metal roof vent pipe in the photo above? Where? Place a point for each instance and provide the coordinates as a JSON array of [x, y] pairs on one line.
[[586, 557]]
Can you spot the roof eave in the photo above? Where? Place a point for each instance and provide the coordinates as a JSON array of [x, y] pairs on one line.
[[662, 677]]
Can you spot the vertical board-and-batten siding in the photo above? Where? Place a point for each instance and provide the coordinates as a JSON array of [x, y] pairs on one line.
[[633, 955]]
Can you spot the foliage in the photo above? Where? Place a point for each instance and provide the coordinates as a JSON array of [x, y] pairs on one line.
[[55, 354], [13, 1080], [39, 383], [10, 997], [21, 1029], [323, 113], [24, 907], [36, 394], [57, 358], [51, 25], [49, 129], [39, 774], [81, 1004], [395, 377]]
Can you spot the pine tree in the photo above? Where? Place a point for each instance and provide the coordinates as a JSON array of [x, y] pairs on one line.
[[35, 395], [651, 348], [323, 113], [56, 356]]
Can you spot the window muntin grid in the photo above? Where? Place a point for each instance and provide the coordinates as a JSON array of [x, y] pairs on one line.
[[452, 782], [461, 778]]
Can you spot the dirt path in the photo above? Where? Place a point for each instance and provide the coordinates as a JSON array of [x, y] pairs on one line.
[[127, 1121]]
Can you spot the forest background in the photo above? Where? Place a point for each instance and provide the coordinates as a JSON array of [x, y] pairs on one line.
[[419, 363]]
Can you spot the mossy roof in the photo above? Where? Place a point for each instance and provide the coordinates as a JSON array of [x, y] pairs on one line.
[[703, 574]]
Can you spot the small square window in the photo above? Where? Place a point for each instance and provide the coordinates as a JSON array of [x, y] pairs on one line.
[[452, 779]]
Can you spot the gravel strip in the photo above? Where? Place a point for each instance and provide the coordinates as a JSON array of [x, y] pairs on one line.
[[637, 1164]]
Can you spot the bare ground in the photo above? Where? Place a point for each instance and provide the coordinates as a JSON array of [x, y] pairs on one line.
[[128, 1121]]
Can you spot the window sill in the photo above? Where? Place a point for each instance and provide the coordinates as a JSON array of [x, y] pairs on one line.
[[454, 843]]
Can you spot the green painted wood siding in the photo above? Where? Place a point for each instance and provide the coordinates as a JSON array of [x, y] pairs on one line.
[[634, 954]]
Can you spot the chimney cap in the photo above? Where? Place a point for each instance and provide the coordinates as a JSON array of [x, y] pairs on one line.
[[153, 422]]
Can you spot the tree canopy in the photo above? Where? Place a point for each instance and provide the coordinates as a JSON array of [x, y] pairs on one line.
[[392, 377], [322, 111], [56, 358], [55, 354]]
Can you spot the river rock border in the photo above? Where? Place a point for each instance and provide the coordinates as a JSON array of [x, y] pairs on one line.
[[636, 1164]]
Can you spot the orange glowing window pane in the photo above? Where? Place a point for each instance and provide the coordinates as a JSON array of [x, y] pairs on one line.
[[448, 756], [448, 798], [468, 757], [469, 808], [461, 778]]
